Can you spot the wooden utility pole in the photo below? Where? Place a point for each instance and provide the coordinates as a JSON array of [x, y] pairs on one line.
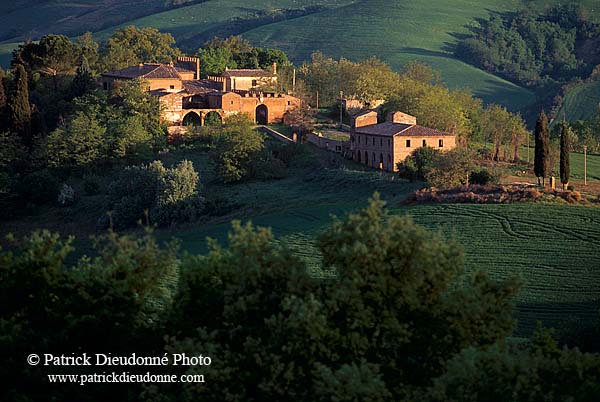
[[341, 108], [528, 139], [585, 165]]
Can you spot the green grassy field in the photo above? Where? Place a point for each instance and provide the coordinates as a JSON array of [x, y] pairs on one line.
[[554, 249], [396, 31], [581, 102]]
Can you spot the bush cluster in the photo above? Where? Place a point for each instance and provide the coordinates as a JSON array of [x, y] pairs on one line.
[[156, 194]]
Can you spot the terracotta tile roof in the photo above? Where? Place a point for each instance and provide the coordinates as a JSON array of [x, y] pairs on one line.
[[145, 70], [199, 87], [387, 128], [184, 70], [392, 129], [248, 72]]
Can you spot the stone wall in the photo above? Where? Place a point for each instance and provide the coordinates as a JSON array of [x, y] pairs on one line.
[[402, 150]]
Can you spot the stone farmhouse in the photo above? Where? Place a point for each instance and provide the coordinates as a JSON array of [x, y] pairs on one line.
[[188, 100], [383, 145]]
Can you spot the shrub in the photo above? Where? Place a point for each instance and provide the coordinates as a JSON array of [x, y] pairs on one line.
[[91, 184], [167, 195], [418, 164], [451, 168], [39, 187], [236, 148], [483, 177], [66, 197], [571, 187]]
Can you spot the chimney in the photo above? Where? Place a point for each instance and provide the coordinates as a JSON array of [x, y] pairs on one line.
[[403, 118], [197, 60], [364, 119], [275, 68]]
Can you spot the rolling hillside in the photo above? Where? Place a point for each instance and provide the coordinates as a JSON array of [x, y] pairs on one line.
[[581, 102], [396, 31]]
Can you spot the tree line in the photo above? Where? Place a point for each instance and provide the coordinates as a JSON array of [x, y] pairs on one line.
[[535, 49], [397, 321]]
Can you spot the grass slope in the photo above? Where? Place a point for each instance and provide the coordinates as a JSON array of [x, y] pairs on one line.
[[581, 102], [554, 249], [396, 31], [31, 19]]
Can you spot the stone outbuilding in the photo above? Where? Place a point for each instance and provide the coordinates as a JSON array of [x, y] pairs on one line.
[[383, 145]]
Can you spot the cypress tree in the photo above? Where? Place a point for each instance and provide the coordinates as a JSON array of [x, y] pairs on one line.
[[19, 107], [83, 82], [565, 158], [3, 114], [542, 148]]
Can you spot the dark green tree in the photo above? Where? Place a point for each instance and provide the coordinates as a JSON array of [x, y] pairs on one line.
[[130, 46], [542, 148], [565, 155], [3, 103], [541, 372], [237, 147], [83, 82], [20, 109]]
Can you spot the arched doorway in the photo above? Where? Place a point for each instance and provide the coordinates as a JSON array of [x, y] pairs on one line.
[[358, 156], [192, 119], [262, 114], [213, 119], [366, 158]]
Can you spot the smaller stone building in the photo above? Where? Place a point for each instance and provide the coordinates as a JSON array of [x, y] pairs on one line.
[[383, 145]]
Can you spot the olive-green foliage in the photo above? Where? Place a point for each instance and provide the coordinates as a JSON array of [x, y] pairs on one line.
[[236, 52], [534, 49], [387, 322], [452, 168], [393, 302], [3, 103], [418, 164], [543, 372], [215, 60], [124, 124], [20, 109], [80, 142], [113, 303], [250, 302], [565, 155], [130, 46], [52, 55], [162, 195], [542, 147], [236, 148], [484, 177]]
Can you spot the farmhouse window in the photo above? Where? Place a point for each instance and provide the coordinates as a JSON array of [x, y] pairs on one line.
[[289, 103], [106, 86], [171, 86], [407, 143], [424, 143], [232, 102], [441, 143], [253, 83], [381, 142]]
